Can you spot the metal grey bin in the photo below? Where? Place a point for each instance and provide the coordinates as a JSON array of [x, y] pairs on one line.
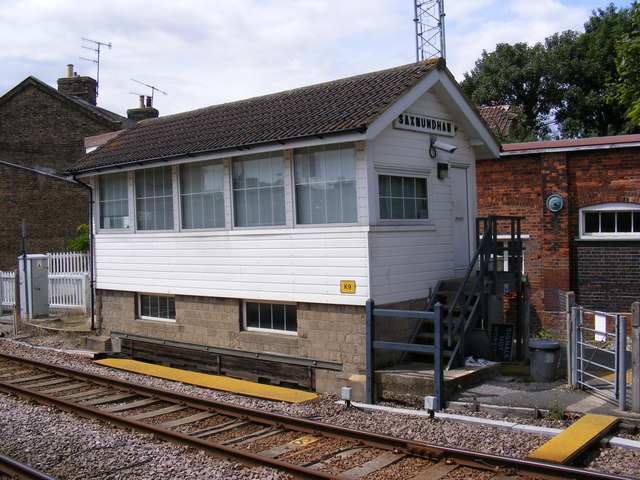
[[544, 356]]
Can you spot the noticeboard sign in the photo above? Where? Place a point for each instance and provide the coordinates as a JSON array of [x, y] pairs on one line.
[[502, 341]]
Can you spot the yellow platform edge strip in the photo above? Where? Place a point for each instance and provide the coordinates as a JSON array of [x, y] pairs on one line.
[[574, 440], [214, 382]]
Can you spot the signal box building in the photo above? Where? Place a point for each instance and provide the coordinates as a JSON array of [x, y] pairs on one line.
[[255, 231]]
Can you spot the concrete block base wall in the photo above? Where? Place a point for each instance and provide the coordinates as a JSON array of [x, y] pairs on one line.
[[326, 333]]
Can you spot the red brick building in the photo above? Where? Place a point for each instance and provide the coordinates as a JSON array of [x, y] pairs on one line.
[[44, 129], [591, 244]]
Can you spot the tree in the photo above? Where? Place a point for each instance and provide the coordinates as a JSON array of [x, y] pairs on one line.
[[514, 75], [628, 67], [80, 243], [584, 67], [571, 80]]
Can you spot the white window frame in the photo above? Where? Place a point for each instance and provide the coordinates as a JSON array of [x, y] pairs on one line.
[[102, 201], [609, 208], [274, 187], [404, 174], [323, 183], [148, 317], [211, 190], [248, 328], [171, 196]]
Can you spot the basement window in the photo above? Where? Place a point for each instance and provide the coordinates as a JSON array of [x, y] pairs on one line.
[[610, 221], [271, 317], [156, 307]]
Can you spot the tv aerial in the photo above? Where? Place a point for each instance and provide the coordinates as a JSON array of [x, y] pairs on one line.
[[153, 89], [96, 48]]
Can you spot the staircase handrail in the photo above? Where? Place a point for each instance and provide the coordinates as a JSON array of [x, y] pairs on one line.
[[480, 250]]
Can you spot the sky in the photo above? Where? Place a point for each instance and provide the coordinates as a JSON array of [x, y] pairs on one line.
[[198, 53]]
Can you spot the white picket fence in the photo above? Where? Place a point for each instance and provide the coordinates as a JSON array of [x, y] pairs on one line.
[[7, 290], [68, 283]]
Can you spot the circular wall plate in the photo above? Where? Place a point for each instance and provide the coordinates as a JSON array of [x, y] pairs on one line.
[[555, 203]]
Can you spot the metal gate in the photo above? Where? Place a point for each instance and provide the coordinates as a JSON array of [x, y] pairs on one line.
[[598, 356]]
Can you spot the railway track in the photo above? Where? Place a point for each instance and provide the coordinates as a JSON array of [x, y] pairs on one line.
[[303, 448]]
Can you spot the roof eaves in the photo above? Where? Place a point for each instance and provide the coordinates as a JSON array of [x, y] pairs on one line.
[[247, 146]]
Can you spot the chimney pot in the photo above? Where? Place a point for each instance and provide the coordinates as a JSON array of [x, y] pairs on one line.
[[149, 102], [141, 101], [69, 70]]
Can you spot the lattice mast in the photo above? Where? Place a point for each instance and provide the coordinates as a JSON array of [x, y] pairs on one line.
[[429, 20]]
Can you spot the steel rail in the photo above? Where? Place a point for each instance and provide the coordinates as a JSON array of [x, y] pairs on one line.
[[12, 467], [212, 449], [432, 452]]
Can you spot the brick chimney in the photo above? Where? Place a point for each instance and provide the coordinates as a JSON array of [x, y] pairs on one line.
[[143, 112], [84, 88]]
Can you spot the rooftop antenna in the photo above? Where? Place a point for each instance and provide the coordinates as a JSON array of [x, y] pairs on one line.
[[153, 89], [429, 20], [96, 48]]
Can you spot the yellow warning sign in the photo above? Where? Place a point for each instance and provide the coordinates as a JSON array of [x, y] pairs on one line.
[[303, 441], [347, 286]]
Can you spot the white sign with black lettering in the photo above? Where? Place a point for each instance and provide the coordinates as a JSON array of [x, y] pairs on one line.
[[424, 124]]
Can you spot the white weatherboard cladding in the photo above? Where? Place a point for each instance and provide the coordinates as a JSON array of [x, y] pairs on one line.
[[406, 261], [305, 265]]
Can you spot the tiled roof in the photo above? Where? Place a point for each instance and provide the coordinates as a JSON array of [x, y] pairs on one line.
[[340, 106], [498, 117], [118, 121], [574, 143]]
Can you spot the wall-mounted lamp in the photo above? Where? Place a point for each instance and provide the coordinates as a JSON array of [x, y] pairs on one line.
[[443, 171]]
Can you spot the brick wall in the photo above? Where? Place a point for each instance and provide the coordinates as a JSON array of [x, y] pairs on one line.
[[41, 129], [607, 274], [603, 275]]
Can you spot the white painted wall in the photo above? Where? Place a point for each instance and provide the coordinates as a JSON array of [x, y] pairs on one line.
[[407, 259], [389, 261], [302, 265]]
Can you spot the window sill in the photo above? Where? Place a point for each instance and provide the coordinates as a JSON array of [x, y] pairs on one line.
[[290, 338], [612, 238], [392, 226], [161, 320]]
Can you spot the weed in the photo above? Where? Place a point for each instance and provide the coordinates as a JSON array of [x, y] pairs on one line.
[[556, 410]]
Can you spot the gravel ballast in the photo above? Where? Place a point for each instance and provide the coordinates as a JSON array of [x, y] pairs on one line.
[[68, 447]]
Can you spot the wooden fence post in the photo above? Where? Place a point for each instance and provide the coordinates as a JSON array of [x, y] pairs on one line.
[[635, 357]]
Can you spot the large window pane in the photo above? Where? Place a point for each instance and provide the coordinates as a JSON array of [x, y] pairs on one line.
[[154, 199], [202, 195], [258, 190], [113, 201], [402, 197], [325, 184]]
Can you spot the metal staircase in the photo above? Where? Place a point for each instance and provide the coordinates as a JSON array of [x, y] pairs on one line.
[[496, 263]]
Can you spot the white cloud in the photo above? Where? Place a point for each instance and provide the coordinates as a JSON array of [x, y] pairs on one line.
[[204, 52]]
